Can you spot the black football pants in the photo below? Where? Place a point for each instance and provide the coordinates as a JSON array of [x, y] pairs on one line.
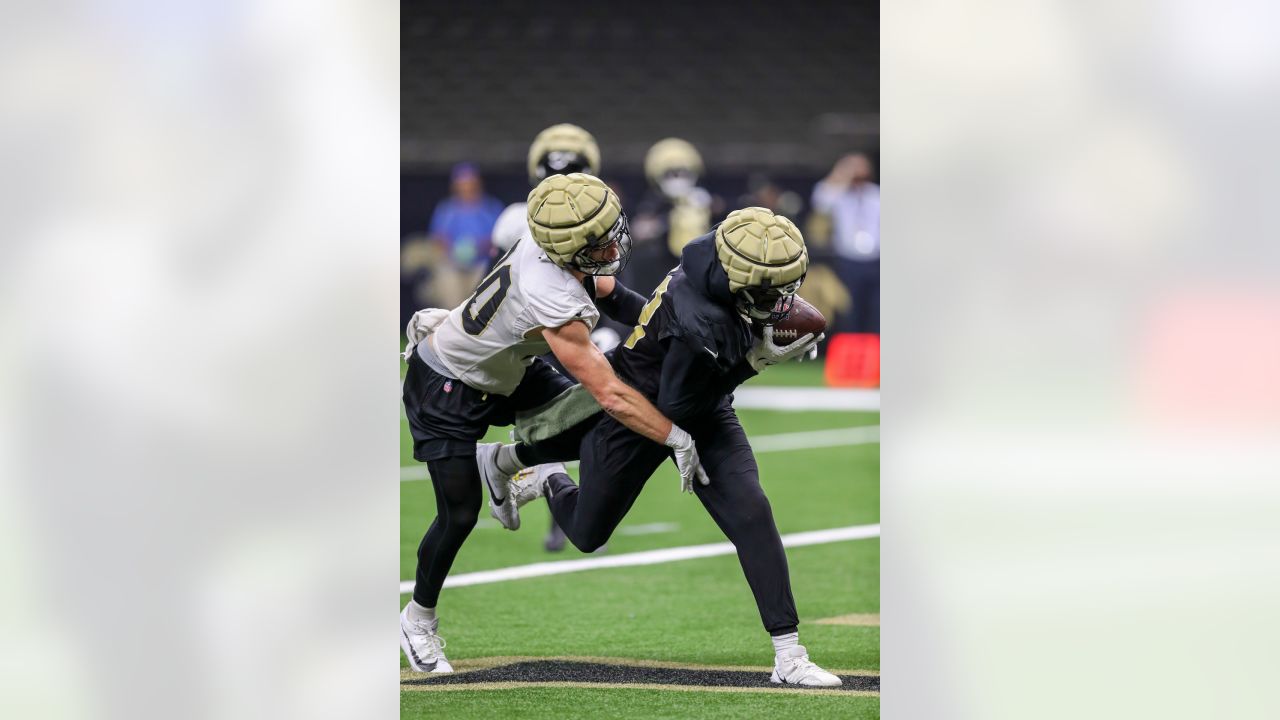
[[617, 462]]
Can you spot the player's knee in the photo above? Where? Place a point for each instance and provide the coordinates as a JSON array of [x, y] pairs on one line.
[[462, 518], [589, 543], [466, 521], [754, 515]]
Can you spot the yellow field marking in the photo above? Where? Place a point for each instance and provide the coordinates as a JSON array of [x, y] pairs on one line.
[[636, 686], [872, 620]]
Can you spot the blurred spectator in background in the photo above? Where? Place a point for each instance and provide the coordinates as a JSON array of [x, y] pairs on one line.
[[762, 192], [673, 212], [852, 202], [462, 226]]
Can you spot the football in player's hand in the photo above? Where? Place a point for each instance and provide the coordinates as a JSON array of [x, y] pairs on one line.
[[802, 320]]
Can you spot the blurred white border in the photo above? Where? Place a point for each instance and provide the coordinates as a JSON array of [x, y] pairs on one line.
[[1081, 359], [198, 298]]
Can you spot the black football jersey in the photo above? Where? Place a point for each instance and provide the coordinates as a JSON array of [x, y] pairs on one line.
[[687, 353]]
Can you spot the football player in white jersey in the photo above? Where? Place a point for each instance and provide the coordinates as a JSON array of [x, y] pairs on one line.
[[479, 366], [558, 150]]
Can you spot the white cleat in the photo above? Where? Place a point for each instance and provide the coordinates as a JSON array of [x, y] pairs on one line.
[[422, 646], [530, 484], [793, 667], [498, 484], [526, 486]]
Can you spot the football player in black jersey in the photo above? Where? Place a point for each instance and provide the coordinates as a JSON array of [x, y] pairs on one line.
[[692, 347]]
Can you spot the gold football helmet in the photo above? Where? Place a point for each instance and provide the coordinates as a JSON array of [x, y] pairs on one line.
[[563, 149], [764, 256], [578, 222]]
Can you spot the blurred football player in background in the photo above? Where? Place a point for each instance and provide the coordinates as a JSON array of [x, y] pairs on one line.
[[673, 212], [478, 366], [693, 345]]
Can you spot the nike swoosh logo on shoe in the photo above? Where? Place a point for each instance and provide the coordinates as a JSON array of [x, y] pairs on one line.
[[493, 497], [414, 652]]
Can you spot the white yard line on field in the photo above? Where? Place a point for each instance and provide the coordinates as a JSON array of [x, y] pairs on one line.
[[649, 528], [647, 557], [837, 437], [803, 398]]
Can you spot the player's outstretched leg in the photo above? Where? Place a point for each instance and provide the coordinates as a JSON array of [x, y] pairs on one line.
[[616, 463], [505, 467]]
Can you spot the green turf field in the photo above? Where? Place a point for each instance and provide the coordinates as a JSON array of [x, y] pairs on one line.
[[697, 612]]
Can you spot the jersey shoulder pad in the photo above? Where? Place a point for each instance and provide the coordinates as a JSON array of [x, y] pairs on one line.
[[553, 297]]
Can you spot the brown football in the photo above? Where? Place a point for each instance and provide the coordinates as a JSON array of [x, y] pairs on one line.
[[802, 320]]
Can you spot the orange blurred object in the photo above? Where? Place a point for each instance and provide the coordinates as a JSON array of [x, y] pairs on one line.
[[1211, 356], [853, 360]]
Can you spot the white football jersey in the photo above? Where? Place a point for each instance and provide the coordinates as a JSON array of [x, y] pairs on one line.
[[486, 342]]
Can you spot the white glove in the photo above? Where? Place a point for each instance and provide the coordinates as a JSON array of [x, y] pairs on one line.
[[765, 353], [686, 458], [422, 324]]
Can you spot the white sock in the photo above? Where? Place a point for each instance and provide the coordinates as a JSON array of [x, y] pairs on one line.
[[427, 615], [782, 642], [508, 463]]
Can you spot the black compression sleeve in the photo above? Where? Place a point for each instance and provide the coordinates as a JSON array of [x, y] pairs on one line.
[[623, 304]]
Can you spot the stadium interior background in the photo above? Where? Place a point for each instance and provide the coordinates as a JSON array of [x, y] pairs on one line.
[[770, 94]]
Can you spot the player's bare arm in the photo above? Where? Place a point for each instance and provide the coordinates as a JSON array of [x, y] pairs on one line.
[[572, 346]]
